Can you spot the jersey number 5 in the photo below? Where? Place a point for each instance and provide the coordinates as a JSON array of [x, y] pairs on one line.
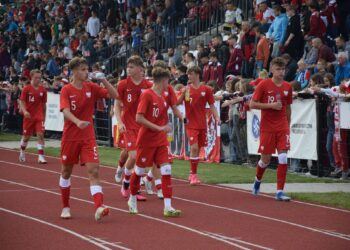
[[73, 105]]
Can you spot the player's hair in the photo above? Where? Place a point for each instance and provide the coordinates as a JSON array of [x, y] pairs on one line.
[[197, 70], [161, 64], [136, 60], [159, 73], [76, 62], [35, 71], [278, 61]]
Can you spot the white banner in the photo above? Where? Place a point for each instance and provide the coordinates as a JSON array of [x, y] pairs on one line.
[[344, 112], [303, 131], [54, 118]]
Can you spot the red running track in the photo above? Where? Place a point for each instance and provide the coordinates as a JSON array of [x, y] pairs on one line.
[[213, 217]]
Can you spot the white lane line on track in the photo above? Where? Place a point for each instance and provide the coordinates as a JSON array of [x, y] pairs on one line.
[[215, 186], [321, 231], [141, 215], [51, 189], [112, 244], [239, 241], [66, 230]]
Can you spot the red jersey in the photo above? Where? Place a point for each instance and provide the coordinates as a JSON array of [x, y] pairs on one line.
[[170, 96], [267, 92], [81, 103], [34, 100], [129, 95], [155, 109], [196, 107]]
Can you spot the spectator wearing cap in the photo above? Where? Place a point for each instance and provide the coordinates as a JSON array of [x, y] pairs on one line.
[[93, 25], [264, 14], [294, 43], [342, 70], [262, 52], [277, 30], [234, 65]]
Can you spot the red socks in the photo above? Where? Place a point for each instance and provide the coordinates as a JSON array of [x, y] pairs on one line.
[[166, 186], [98, 200], [194, 165], [121, 163], [65, 193], [260, 170], [281, 175], [134, 183]]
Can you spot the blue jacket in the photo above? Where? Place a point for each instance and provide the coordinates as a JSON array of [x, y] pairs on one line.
[[278, 28], [341, 73]]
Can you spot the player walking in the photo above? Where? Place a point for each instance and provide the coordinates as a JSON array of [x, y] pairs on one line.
[[78, 140], [274, 97], [33, 105]]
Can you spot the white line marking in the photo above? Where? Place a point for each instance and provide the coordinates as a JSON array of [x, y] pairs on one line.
[[57, 227], [141, 215], [323, 231], [213, 186], [239, 241], [104, 242]]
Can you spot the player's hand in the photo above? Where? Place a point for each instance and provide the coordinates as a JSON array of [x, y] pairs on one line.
[[121, 127], [276, 105], [218, 121], [26, 114], [82, 124], [165, 129]]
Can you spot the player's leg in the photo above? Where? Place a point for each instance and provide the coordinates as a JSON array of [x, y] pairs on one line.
[[162, 159], [129, 166], [27, 132], [158, 181], [121, 162], [192, 136], [65, 184], [147, 180], [283, 145], [40, 130]]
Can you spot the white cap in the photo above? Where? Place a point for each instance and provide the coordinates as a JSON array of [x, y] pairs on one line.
[[260, 1]]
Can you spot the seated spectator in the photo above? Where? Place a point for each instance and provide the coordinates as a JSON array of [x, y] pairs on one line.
[[321, 67], [291, 67], [303, 74], [342, 45], [324, 52], [310, 53], [342, 70]]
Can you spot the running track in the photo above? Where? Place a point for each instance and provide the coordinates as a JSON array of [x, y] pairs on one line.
[[213, 217]]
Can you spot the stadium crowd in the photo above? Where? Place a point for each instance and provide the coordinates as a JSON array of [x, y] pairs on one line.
[[312, 36]]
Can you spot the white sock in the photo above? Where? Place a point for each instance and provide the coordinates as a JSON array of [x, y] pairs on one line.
[[64, 183], [167, 203], [94, 189], [157, 182], [150, 174]]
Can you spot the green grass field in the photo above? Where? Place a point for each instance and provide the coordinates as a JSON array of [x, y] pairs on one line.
[[229, 173], [9, 137]]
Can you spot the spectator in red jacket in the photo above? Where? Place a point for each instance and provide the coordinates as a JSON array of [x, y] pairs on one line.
[[204, 59], [247, 45], [317, 25], [324, 52], [234, 64], [216, 70]]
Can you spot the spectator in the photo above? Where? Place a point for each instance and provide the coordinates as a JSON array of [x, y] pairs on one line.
[[173, 58], [316, 80], [190, 60], [321, 67], [5, 58], [317, 25], [324, 52], [342, 70], [216, 70], [342, 46], [206, 67], [262, 52], [222, 51], [247, 40], [264, 14], [294, 43], [93, 25], [277, 31], [291, 67], [52, 67], [234, 65], [329, 80], [233, 17], [136, 37], [181, 75], [310, 53]]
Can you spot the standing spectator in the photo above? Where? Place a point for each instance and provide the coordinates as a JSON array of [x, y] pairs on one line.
[[93, 24], [52, 67], [216, 70], [222, 51], [342, 70], [190, 60], [291, 67], [234, 65], [206, 67], [174, 58], [154, 55], [294, 43], [262, 52], [277, 31], [233, 17], [136, 37], [5, 58], [247, 39], [265, 14], [317, 25]]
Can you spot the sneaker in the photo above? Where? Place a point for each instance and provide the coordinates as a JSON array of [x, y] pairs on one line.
[[66, 213], [280, 196], [118, 175], [125, 192], [345, 175], [101, 212], [41, 159], [189, 178], [148, 185], [160, 194], [256, 187], [22, 156], [337, 173], [171, 212], [132, 206], [140, 198], [195, 180]]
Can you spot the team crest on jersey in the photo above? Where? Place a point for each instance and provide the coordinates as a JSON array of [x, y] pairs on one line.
[[129, 144], [166, 93], [143, 159], [41, 94], [164, 104], [64, 157], [203, 93], [285, 93], [142, 90], [88, 94]]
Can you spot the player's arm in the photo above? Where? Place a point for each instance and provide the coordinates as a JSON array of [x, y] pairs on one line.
[[44, 104], [22, 104], [112, 93], [289, 113], [69, 116], [258, 105], [117, 112], [215, 113], [181, 97], [177, 112], [140, 118]]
